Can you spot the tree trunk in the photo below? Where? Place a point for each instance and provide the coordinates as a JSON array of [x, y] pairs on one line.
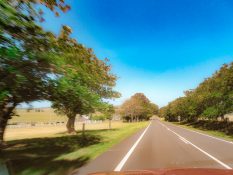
[[5, 115], [3, 124], [70, 125], [222, 117]]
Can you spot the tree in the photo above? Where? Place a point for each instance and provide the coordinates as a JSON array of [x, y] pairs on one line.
[[88, 80], [108, 111], [27, 59], [37, 65], [213, 98], [154, 109], [138, 107]]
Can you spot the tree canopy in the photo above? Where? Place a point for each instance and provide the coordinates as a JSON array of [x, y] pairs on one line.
[[211, 99], [138, 107], [37, 65]]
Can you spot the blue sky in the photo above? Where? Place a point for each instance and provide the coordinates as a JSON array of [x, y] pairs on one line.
[[158, 47]]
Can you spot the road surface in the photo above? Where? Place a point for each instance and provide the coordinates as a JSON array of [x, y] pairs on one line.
[[164, 145]]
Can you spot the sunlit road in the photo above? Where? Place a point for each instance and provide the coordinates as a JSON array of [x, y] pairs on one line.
[[164, 145]]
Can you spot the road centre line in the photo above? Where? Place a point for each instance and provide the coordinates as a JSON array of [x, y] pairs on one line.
[[126, 157], [201, 150]]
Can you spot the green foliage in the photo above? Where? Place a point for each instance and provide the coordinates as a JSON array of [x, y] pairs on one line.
[[211, 112], [85, 83], [28, 58], [211, 99], [37, 65], [99, 117], [104, 113], [108, 111], [217, 128]]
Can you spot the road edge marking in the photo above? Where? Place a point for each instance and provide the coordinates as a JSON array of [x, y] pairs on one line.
[[126, 157], [183, 140], [213, 137], [201, 150]]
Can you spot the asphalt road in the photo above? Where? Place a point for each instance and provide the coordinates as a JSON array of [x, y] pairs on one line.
[[164, 145]]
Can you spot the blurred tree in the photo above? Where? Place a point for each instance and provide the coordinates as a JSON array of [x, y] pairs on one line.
[[86, 83], [37, 65], [211, 99], [109, 111], [154, 109], [138, 107], [27, 59]]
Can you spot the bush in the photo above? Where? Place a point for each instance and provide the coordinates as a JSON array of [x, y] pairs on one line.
[[99, 117], [223, 126]]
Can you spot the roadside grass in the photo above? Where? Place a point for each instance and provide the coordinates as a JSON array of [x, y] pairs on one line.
[[218, 134], [62, 153]]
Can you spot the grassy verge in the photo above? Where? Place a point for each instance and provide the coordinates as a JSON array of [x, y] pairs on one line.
[[218, 134], [62, 154]]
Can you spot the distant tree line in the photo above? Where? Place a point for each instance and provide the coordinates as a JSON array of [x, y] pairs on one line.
[[213, 98], [38, 65], [138, 108]]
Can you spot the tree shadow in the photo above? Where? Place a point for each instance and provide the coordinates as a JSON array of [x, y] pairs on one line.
[[30, 156]]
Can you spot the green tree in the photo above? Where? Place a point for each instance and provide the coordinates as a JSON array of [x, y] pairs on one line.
[[108, 111], [37, 65], [213, 98], [26, 59], [88, 80]]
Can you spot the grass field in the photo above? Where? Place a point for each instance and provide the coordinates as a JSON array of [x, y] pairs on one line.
[[45, 115], [50, 151], [51, 131]]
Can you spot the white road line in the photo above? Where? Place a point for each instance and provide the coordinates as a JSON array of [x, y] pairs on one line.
[[212, 157], [205, 135], [184, 140], [126, 157]]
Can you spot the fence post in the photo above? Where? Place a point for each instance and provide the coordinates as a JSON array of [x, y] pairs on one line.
[[83, 129], [110, 124]]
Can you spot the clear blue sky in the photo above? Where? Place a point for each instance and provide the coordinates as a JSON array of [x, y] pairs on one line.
[[158, 47]]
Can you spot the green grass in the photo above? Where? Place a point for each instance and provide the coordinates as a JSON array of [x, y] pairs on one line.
[[62, 153], [218, 134]]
